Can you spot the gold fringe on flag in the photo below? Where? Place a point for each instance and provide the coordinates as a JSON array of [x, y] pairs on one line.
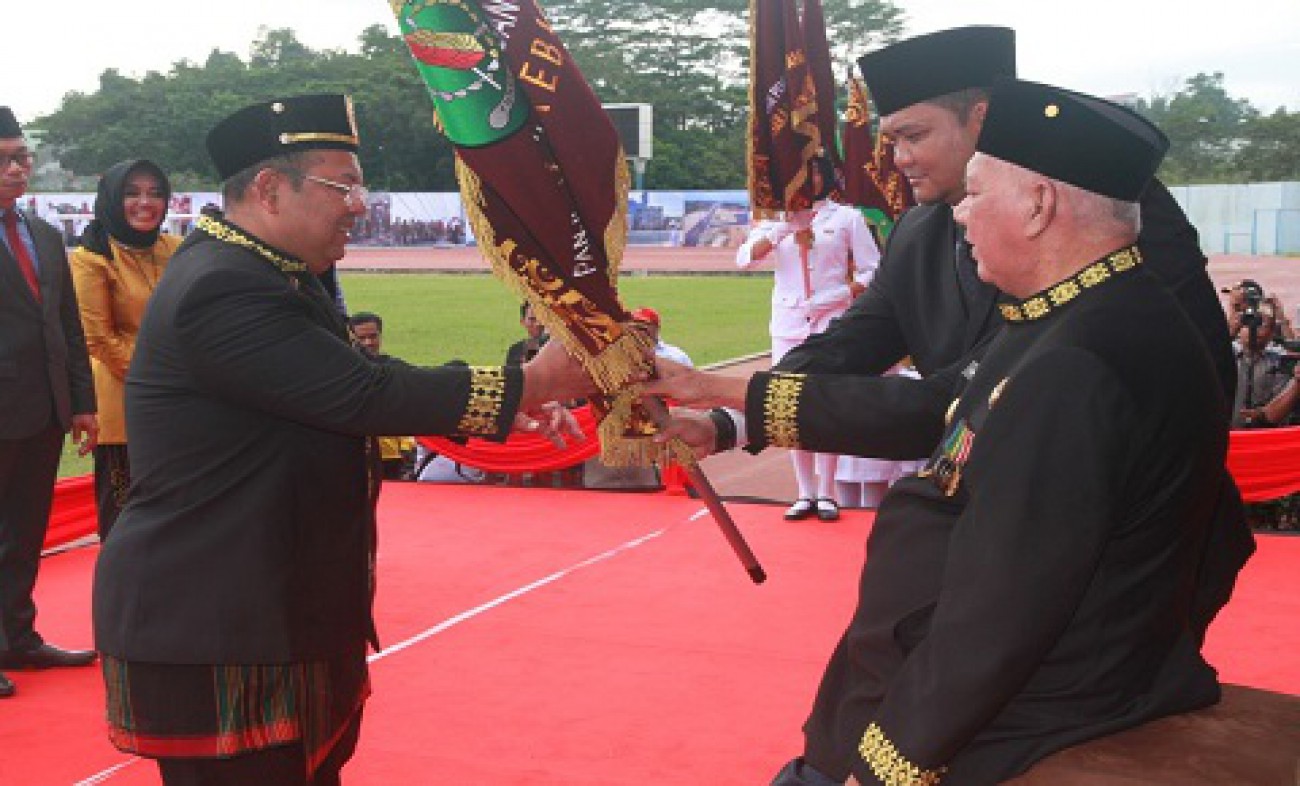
[[626, 434]]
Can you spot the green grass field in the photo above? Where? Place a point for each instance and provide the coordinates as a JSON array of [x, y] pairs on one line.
[[431, 318]]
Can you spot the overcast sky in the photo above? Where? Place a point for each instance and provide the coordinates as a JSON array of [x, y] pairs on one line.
[[1105, 47]]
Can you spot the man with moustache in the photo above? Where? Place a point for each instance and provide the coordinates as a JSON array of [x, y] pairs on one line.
[[46, 390], [232, 604]]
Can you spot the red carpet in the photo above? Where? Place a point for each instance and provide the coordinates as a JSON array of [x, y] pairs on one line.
[[569, 638]]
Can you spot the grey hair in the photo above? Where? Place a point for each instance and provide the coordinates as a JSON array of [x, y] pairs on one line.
[[1093, 209]]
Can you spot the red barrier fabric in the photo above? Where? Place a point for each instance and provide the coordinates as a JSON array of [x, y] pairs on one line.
[[1265, 462], [73, 513], [521, 452]]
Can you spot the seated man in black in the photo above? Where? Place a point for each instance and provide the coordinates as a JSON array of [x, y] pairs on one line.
[[1034, 586]]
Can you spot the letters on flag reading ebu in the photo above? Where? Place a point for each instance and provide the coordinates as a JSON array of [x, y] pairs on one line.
[[787, 111], [872, 181], [544, 182]]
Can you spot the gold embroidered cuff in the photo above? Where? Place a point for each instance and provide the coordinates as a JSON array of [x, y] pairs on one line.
[[888, 764], [781, 410], [487, 392]]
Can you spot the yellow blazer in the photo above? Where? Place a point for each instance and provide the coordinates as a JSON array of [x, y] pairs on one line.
[[112, 294]]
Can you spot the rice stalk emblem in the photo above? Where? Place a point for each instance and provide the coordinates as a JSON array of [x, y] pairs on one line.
[[459, 54]]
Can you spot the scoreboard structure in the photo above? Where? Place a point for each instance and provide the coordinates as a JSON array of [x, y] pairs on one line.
[[635, 126]]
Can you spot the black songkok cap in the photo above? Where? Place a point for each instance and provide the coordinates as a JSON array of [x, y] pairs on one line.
[[937, 64], [9, 128], [1094, 144], [287, 125]]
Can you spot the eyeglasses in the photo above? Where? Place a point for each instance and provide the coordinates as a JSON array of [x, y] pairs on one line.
[[23, 159], [354, 194]]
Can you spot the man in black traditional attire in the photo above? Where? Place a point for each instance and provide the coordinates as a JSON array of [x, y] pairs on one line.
[[926, 302], [232, 605], [1035, 586]]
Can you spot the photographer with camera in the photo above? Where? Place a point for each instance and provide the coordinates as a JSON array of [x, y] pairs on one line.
[[1267, 385]]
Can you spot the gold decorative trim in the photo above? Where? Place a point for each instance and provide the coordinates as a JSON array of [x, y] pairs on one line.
[[294, 139], [230, 234], [1056, 296], [781, 409], [487, 392], [888, 764]]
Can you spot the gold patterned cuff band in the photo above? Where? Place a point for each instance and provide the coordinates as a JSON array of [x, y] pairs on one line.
[[889, 765], [487, 392], [781, 410]]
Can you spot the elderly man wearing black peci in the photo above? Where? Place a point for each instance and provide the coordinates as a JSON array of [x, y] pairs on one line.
[[925, 301], [1035, 585]]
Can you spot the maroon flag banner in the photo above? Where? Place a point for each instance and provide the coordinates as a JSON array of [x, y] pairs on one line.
[[544, 182], [872, 181], [784, 131], [818, 50]]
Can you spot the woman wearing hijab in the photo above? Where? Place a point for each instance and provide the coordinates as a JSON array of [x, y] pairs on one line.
[[121, 257]]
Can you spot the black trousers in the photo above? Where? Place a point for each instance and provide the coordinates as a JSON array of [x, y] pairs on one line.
[[28, 467], [112, 480], [284, 765]]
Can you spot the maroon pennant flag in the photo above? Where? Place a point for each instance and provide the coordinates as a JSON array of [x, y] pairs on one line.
[[784, 130], [544, 181], [813, 23], [872, 181]]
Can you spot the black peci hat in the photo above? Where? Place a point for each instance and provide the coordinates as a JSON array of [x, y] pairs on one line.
[[287, 125], [9, 128], [936, 64], [1082, 140]]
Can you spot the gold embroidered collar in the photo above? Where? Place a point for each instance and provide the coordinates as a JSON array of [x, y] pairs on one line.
[[229, 233], [1057, 295]]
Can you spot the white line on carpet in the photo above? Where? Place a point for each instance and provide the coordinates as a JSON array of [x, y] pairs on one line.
[[524, 590], [104, 775]]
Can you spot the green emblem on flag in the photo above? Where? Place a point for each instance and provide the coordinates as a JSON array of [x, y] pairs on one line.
[[462, 60]]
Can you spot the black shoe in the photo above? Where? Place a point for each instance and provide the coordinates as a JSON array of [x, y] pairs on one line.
[[7, 688], [801, 509], [46, 656], [827, 509]]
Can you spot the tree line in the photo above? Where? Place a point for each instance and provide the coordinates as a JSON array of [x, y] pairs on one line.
[[686, 57]]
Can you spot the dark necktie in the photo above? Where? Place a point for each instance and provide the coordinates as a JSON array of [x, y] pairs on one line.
[[19, 250], [967, 277]]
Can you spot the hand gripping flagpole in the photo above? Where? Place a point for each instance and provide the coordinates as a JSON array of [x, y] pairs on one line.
[[460, 37], [659, 414]]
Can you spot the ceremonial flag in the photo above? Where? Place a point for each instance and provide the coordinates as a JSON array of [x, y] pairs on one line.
[[785, 121], [872, 181], [544, 182], [813, 24]]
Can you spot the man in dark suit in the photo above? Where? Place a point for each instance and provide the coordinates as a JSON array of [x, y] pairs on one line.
[[1036, 584], [232, 602], [45, 391]]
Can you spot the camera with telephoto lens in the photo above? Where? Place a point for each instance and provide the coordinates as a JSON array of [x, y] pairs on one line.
[[1252, 295]]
